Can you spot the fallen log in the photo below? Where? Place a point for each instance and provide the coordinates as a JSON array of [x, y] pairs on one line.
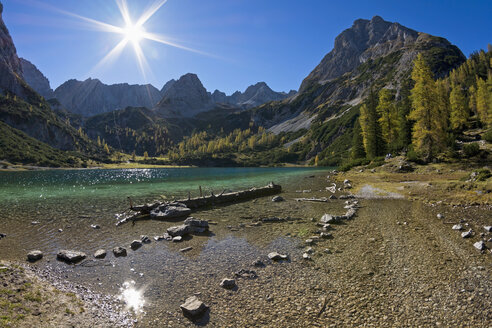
[[159, 209], [312, 199]]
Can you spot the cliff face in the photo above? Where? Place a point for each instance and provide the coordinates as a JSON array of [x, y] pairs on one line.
[[92, 97], [36, 79], [10, 65]]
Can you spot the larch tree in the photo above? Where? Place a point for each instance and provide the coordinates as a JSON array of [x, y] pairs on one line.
[[371, 131], [482, 101], [425, 137], [388, 117], [357, 150], [459, 108]]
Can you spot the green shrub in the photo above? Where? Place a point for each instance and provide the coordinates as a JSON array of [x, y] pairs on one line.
[[488, 135], [483, 174], [472, 149]]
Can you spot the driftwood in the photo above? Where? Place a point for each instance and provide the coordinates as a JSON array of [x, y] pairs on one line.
[[312, 199], [144, 211]]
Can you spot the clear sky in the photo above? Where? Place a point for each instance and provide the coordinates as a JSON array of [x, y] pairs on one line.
[[240, 42]]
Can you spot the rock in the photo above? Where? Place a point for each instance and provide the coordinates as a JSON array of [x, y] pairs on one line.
[[2, 235], [306, 256], [328, 218], [309, 241], [350, 214], [327, 227], [277, 199], [327, 251], [34, 256], [457, 227], [119, 251], [309, 250], [488, 228], [346, 181], [332, 197], [180, 230], [196, 225], [186, 249], [136, 244], [34, 222], [145, 239], [100, 254], [70, 256], [193, 307], [247, 274], [440, 216], [60, 230], [467, 234], [95, 226], [228, 283], [258, 263], [480, 245], [274, 256], [326, 235], [177, 239]]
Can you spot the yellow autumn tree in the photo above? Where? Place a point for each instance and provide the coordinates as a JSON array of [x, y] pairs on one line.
[[388, 116], [459, 107]]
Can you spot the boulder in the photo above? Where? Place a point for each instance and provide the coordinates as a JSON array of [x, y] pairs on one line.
[[328, 218], [228, 283], [196, 225], [488, 228], [100, 254], [136, 244], [70, 256], [480, 245], [193, 307], [119, 251], [277, 199], [34, 256], [177, 239], [350, 213], [180, 230], [274, 256]]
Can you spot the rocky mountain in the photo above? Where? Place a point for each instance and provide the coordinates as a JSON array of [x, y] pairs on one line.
[[253, 96], [185, 97], [10, 65], [36, 79], [92, 97]]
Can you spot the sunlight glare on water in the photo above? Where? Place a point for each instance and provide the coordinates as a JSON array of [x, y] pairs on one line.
[[132, 297]]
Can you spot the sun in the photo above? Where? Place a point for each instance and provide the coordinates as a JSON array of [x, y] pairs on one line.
[[133, 33]]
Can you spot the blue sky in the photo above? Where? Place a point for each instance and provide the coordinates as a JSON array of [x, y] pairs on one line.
[[246, 41]]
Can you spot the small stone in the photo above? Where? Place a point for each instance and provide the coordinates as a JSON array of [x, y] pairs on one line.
[[2, 235], [309, 250], [228, 283], [326, 227], [440, 216], [467, 234], [332, 197], [34, 256], [309, 242], [34, 222], [306, 256], [327, 251], [100, 254], [70, 256], [193, 307], [60, 230], [246, 274], [488, 228], [258, 263], [480, 245], [145, 239], [179, 230], [274, 256], [177, 239], [457, 227], [277, 199], [95, 226], [326, 235], [186, 249], [136, 244], [119, 251]]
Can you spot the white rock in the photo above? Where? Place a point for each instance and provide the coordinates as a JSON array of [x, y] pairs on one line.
[[466, 234], [480, 245], [457, 227]]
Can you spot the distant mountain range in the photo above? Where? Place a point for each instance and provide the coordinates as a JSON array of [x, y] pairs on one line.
[[318, 119]]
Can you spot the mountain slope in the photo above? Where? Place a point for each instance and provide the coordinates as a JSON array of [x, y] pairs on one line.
[[35, 79]]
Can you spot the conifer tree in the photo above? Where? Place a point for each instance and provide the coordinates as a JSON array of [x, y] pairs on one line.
[[371, 131], [425, 113], [482, 101], [388, 117], [459, 108], [357, 150]]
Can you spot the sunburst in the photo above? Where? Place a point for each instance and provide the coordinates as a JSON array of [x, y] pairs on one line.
[[133, 32]]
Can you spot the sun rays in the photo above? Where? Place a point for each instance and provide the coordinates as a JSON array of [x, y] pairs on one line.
[[132, 34]]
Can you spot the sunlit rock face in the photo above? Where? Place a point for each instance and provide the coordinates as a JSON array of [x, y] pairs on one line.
[[36, 79]]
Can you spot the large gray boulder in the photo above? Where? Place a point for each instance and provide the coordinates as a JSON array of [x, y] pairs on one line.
[[170, 212], [34, 256], [70, 256], [180, 230]]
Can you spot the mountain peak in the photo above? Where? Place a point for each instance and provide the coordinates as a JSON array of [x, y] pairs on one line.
[[36, 79]]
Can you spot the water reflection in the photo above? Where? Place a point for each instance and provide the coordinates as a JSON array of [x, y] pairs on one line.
[[132, 297]]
